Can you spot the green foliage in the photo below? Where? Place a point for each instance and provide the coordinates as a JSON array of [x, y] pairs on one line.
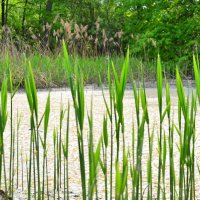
[[168, 27], [149, 27]]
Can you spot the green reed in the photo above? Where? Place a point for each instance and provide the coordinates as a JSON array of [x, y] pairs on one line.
[[120, 86], [77, 92], [55, 133], [44, 140], [109, 109], [3, 121], [94, 159], [66, 155], [18, 126], [105, 156], [159, 90]]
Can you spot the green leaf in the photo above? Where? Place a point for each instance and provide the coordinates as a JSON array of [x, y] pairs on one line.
[[159, 84], [105, 131], [102, 166], [180, 91], [33, 91], [144, 103], [46, 115], [168, 99], [97, 154], [106, 104], [28, 94], [118, 182], [164, 151], [165, 112], [4, 94], [125, 172], [197, 76]]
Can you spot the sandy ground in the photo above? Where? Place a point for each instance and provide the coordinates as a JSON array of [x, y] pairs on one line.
[[21, 105]]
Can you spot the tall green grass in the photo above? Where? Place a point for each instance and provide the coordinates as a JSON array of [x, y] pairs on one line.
[[120, 162], [50, 70]]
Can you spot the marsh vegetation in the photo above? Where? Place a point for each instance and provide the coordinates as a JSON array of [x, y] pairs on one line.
[[123, 146]]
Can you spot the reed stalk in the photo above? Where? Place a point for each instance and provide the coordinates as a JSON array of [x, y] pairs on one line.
[[66, 156], [77, 92]]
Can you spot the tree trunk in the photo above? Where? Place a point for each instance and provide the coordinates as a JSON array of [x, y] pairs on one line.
[[6, 13], [24, 15], [3, 13], [49, 6], [48, 11]]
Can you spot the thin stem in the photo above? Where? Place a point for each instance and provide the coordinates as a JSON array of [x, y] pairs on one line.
[[11, 143]]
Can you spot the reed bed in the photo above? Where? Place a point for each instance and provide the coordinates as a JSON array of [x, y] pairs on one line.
[[117, 159]]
